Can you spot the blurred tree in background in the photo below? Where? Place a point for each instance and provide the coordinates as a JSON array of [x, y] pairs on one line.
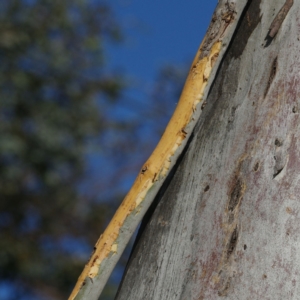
[[56, 99], [51, 72]]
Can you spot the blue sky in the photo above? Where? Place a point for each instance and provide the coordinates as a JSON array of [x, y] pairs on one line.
[[158, 32]]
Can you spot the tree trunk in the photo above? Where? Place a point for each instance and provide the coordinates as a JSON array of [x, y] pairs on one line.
[[227, 220]]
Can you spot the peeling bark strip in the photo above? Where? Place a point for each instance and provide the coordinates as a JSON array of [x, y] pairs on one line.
[[280, 18], [276, 24], [112, 242]]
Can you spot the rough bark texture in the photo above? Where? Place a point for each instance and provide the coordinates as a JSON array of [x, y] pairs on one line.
[[227, 224]]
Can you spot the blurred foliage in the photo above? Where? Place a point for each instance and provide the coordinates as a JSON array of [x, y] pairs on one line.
[[51, 75]]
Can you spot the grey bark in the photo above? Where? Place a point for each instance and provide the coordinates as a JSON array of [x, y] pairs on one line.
[[227, 224]]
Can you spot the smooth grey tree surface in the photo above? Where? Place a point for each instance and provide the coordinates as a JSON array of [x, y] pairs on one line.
[[226, 223]]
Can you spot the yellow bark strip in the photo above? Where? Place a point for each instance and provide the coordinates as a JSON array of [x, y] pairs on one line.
[[157, 166]]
